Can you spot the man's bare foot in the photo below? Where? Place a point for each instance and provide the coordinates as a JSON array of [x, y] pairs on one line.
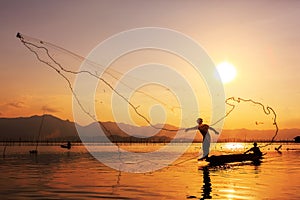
[[203, 158]]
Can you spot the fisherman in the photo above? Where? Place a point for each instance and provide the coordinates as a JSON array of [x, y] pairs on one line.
[[255, 149], [203, 128], [69, 145]]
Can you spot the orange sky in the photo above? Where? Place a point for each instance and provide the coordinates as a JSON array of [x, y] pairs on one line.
[[260, 38]]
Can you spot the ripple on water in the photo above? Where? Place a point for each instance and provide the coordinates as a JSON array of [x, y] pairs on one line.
[[75, 174]]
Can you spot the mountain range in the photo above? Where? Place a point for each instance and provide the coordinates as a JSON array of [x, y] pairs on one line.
[[51, 128]]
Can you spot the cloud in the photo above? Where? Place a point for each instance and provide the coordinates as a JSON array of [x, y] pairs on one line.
[[49, 109], [19, 104]]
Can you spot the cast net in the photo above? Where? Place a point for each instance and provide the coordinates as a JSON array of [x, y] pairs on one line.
[[137, 97]]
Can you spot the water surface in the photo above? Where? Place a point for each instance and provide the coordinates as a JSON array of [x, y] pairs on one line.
[[57, 173]]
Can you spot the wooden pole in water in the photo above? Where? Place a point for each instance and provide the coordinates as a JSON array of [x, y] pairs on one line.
[[37, 141], [4, 151], [40, 129]]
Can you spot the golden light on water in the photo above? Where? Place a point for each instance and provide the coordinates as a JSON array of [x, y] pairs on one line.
[[234, 146]]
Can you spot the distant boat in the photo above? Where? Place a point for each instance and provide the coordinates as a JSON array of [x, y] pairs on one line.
[[297, 139], [33, 151], [67, 146], [223, 159]]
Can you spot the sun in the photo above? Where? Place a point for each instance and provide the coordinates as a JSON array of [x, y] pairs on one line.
[[226, 71]]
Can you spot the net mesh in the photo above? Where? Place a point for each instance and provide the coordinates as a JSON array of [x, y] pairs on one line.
[[139, 100]]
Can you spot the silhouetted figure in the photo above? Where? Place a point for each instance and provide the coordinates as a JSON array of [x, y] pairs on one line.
[[255, 149], [203, 128], [67, 146]]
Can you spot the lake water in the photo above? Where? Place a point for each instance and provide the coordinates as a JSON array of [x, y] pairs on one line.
[[56, 173]]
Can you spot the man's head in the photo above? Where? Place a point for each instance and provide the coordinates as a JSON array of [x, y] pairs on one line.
[[199, 120], [255, 144]]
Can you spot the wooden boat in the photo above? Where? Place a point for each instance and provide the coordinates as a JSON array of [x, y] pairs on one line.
[[33, 152], [67, 146], [222, 159]]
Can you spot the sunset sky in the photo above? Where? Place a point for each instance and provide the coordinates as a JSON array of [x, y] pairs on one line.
[[260, 38]]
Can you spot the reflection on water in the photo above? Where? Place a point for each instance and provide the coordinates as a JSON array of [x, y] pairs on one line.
[[57, 173], [206, 184]]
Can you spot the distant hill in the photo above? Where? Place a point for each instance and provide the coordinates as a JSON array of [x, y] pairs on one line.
[[251, 135], [127, 133], [27, 128], [53, 128]]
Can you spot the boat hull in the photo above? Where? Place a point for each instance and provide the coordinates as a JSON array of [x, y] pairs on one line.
[[65, 146], [222, 159]]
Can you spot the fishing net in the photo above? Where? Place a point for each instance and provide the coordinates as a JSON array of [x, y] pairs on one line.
[[130, 101]]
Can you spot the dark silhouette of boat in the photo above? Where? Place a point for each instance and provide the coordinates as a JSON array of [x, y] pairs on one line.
[[67, 146], [223, 159], [297, 139], [33, 152]]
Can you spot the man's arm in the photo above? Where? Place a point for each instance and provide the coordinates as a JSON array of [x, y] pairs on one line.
[[248, 150], [214, 130], [192, 128]]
